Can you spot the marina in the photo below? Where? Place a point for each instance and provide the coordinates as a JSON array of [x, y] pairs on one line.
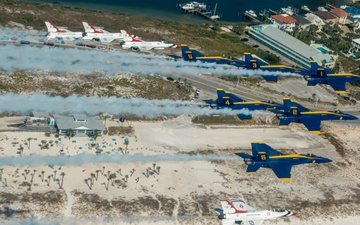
[[200, 9]]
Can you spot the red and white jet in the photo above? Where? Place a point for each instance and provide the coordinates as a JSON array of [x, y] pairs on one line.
[[132, 42], [235, 210], [104, 36], [55, 32]]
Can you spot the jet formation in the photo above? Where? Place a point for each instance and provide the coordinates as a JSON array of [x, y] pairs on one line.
[[288, 112], [315, 75], [265, 156], [294, 112], [251, 62], [98, 33], [227, 99], [236, 211]]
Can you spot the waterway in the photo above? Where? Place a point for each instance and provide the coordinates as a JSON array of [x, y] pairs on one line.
[[230, 10]]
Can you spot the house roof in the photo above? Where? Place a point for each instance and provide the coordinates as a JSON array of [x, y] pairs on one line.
[[292, 43], [68, 122], [325, 15], [284, 18], [300, 20], [338, 12]]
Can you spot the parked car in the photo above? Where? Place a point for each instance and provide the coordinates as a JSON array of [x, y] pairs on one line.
[[244, 39], [24, 42], [170, 79], [49, 43], [256, 46]]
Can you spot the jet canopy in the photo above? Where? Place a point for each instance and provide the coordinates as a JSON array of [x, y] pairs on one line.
[[277, 210]]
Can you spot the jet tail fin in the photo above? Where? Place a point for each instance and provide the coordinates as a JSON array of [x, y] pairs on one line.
[[262, 150], [293, 108], [254, 62], [52, 28], [229, 208], [189, 54]]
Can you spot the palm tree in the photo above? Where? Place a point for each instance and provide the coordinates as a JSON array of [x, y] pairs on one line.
[[126, 178], [1, 173], [54, 177], [70, 133], [158, 169], [29, 139], [62, 180], [103, 170], [132, 172], [86, 181], [154, 164], [48, 180], [42, 176], [112, 178], [92, 177], [96, 134]]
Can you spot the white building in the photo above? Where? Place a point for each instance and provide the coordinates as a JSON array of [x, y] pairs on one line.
[[356, 44], [79, 124], [287, 45], [284, 22]]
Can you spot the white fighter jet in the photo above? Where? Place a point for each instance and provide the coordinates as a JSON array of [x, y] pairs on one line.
[[135, 43], [55, 32], [104, 36], [235, 210]]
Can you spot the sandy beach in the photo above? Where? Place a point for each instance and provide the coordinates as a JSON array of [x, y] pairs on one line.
[[175, 172]]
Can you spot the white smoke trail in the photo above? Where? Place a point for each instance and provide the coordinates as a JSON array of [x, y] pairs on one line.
[[93, 105], [99, 220], [81, 159], [32, 58]]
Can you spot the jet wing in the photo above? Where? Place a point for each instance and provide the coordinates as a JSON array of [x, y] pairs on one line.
[[105, 40], [252, 168], [336, 84], [227, 222], [244, 117], [253, 222], [313, 82], [145, 48], [271, 78], [281, 170], [312, 124]]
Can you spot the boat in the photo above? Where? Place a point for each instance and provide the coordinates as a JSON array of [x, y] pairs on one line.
[[305, 8], [214, 16], [320, 8], [193, 6], [251, 13], [288, 10]]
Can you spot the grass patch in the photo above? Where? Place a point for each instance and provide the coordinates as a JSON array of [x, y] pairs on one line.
[[336, 143], [217, 120]]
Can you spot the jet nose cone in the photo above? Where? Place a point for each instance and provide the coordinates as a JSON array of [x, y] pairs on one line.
[[323, 160], [293, 214], [177, 46]]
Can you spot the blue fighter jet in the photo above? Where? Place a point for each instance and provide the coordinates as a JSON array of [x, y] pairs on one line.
[[254, 62], [251, 62], [320, 75], [191, 54], [229, 100], [294, 112], [265, 156]]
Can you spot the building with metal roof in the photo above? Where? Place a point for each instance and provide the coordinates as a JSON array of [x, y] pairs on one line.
[[356, 44], [79, 124], [290, 47]]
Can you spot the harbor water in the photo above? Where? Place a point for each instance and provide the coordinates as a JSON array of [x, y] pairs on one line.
[[230, 10]]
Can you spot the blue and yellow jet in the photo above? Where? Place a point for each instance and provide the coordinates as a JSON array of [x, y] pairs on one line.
[[265, 156], [294, 112], [191, 54], [254, 62], [227, 99], [320, 75], [251, 62]]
